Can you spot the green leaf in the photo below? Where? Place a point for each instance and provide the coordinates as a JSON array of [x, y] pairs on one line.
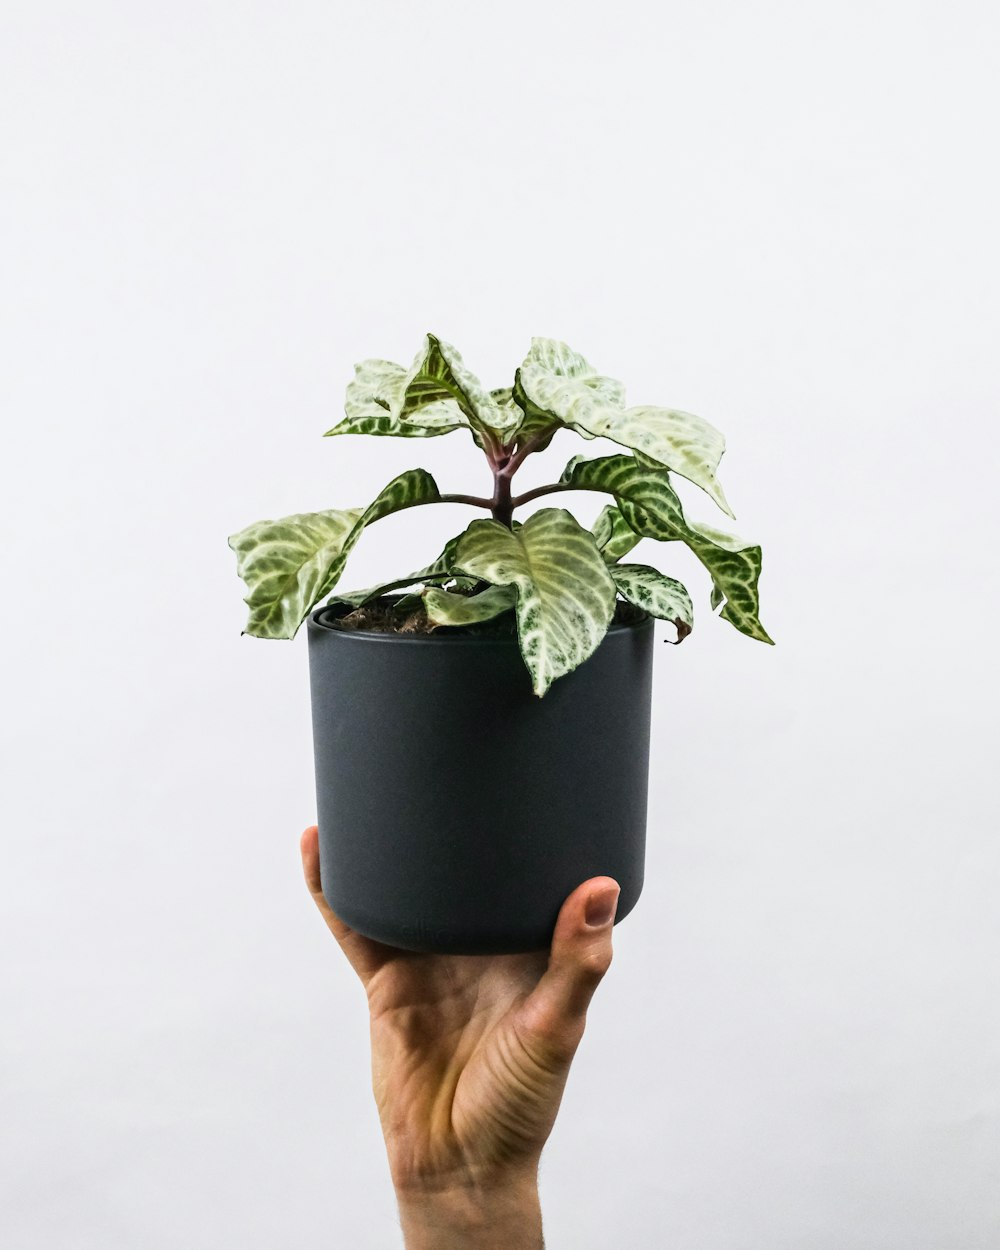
[[535, 422], [504, 399], [439, 374], [565, 595], [289, 565], [376, 399], [445, 608], [285, 563], [657, 594], [735, 566], [678, 440], [556, 380], [559, 381], [650, 506], [615, 537], [556, 386]]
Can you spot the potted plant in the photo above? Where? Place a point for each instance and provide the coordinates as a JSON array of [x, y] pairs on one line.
[[481, 726]]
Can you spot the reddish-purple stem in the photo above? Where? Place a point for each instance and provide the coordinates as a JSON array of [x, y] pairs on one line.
[[538, 492], [477, 501]]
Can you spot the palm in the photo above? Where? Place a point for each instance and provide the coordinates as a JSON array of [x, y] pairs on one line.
[[456, 1087]]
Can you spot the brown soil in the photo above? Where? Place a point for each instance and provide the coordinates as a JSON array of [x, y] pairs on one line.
[[379, 617], [384, 616]]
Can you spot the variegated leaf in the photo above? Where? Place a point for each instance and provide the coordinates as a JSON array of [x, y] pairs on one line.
[[445, 608], [415, 486], [615, 537], [438, 374], [565, 595], [431, 421], [301, 561], [656, 594], [678, 440], [557, 385], [735, 566], [652, 509], [285, 564], [375, 402], [558, 381], [535, 423], [504, 399]]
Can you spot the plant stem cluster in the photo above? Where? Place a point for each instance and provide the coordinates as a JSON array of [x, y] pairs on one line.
[[504, 462]]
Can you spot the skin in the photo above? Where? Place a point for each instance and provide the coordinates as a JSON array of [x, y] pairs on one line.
[[470, 1055]]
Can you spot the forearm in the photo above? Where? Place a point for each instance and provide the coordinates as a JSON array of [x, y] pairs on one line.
[[507, 1217]]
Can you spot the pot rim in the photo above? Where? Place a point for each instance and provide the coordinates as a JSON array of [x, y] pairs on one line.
[[316, 625]]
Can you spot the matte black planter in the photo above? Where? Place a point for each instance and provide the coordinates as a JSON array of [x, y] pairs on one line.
[[456, 809]]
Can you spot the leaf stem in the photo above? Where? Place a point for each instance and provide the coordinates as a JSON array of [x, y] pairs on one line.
[[476, 501], [519, 457], [538, 492], [492, 445]]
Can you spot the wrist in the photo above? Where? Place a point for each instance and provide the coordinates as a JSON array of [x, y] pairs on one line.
[[495, 1216]]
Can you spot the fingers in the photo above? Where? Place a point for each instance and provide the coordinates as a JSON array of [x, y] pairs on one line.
[[554, 1013], [365, 955]]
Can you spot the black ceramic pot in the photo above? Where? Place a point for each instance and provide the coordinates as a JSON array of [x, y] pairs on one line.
[[456, 809]]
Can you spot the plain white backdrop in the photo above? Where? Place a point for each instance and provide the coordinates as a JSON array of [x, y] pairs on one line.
[[780, 216]]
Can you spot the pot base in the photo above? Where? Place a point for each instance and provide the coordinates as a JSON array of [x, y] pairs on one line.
[[430, 937]]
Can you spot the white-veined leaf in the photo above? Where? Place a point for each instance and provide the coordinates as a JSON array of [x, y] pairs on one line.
[[504, 399], [438, 374], [565, 595], [652, 509], [289, 565], [284, 564], [375, 402], [445, 608], [556, 386], [615, 537], [536, 425], [677, 440], [556, 380], [657, 594]]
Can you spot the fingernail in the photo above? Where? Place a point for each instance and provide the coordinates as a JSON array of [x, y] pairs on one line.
[[601, 906]]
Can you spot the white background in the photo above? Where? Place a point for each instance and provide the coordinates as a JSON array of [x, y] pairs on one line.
[[782, 217]]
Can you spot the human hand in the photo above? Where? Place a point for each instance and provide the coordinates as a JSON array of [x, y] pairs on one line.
[[470, 1055]]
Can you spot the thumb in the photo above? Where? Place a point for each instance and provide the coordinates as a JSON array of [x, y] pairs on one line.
[[366, 955], [555, 1012]]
